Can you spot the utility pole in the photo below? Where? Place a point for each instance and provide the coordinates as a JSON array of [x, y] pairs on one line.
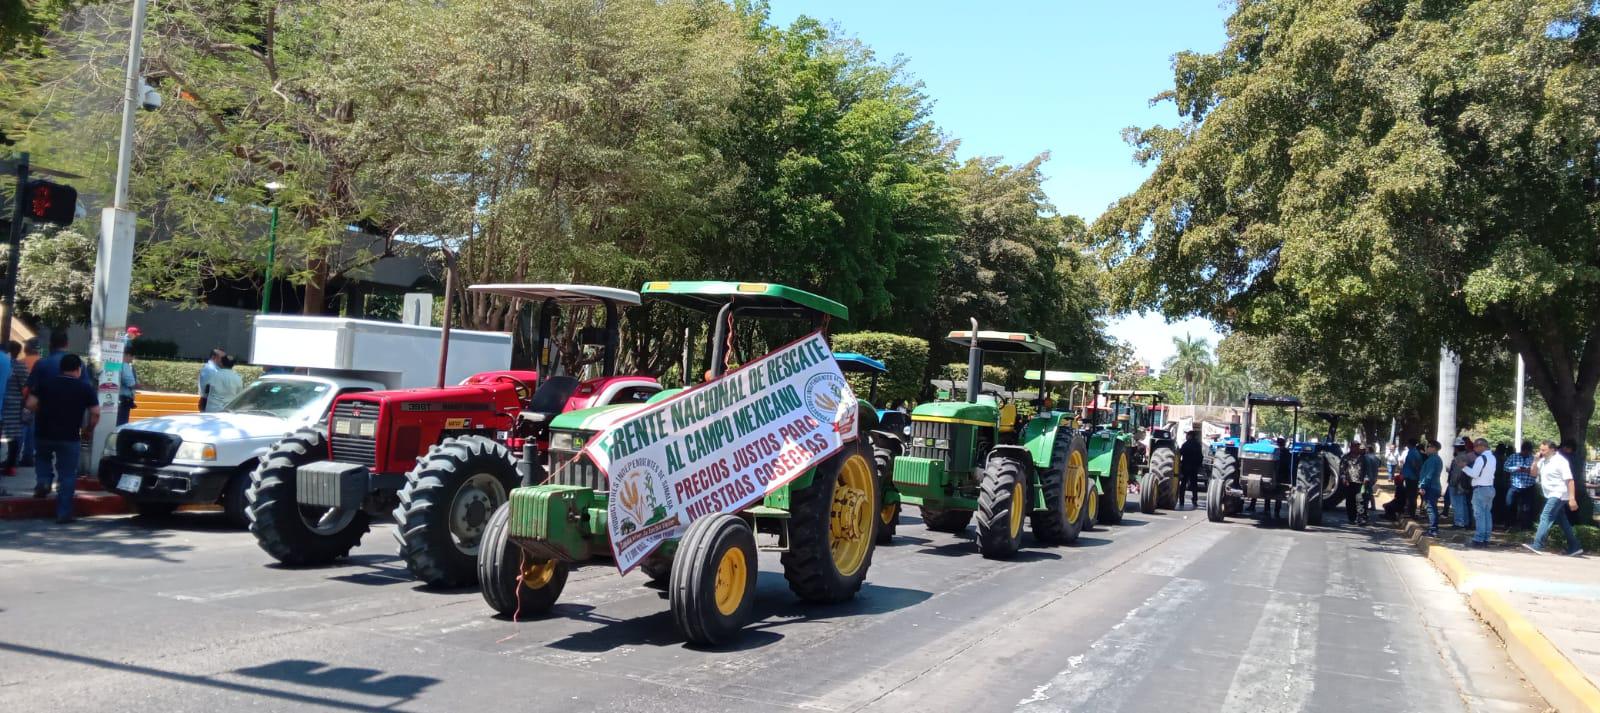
[[1521, 374], [113, 264], [18, 214], [1449, 383]]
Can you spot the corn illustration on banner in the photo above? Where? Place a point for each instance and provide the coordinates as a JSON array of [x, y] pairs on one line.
[[721, 446]]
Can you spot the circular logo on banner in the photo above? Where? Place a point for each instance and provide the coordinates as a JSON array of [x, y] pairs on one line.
[[828, 399], [639, 496]]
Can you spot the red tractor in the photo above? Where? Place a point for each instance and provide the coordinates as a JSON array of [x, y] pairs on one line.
[[442, 459]]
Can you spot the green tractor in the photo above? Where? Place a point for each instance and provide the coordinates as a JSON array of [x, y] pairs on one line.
[[973, 456], [1109, 436], [824, 522]]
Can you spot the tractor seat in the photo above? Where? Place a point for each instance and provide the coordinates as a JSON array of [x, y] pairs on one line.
[[549, 399]]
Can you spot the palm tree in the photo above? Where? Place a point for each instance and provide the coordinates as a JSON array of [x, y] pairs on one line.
[[1191, 364], [1226, 383]]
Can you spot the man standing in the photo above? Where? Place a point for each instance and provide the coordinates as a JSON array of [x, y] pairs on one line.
[[213, 363], [1519, 499], [1461, 484], [222, 387], [1560, 493], [1405, 482], [1482, 471], [49, 366], [1428, 483], [1371, 463], [60, 403], [1190, 456]]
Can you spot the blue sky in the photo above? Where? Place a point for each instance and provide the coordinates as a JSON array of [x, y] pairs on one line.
[[1014, 78]]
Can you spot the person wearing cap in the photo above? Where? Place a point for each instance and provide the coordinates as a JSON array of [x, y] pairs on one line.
[[1461, 484], [1428, 483], [129, 384], [1482, 470]]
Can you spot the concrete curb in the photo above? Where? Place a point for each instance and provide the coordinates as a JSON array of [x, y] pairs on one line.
[[1552, 674]]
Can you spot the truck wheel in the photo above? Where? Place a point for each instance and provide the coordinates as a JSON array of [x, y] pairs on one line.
[[952, 521], [445, 504], [235, 499], [1055, 523], [154, 511], [831, 526], [888, 513], [1297, 510], [1002, 500], [1116, 496], [516, 583], [713, 593], [292, 533], [1149, 495], [1162, 463]]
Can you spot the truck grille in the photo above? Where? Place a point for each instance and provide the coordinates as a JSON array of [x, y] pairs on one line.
[[926, 433], [146, 447], [354, 447], [573, 468]]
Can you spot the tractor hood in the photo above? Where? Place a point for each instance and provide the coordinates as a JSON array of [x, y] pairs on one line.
[[957, 412], [1261, 446], [593, 419]]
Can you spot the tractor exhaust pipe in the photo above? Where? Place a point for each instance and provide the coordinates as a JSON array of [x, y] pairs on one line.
[[974, 366]]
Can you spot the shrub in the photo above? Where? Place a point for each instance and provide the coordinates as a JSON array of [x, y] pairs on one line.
[[154, 348], [905, 357], [181, 376], [957, 372]]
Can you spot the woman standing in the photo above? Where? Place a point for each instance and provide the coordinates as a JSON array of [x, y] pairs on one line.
[[11, 417]]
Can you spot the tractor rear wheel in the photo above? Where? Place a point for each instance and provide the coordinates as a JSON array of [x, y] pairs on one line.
[[515, 583], [445, 504], [888, 513], [713, 592], [952, 521], [1149, 494], [1002, 501], [831, 529], [1224, 472], [1297, 510], [1115, 498], [1308, 479], [1162, 462], [292, 533], [1055, 524]]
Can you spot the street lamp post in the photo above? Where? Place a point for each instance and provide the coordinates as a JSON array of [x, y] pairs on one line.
[[272, 246]]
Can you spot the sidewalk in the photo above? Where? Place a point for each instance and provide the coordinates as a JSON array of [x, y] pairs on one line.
[[1544, 607], [89, 500]]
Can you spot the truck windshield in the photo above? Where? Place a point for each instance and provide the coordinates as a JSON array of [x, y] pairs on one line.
[[283, 399]]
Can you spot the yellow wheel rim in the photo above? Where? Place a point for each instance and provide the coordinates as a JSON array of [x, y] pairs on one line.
[[886, 513], [732, 570], [536, 574], [1122, 481], [1016, 509], [850, 521], [1075, 486]]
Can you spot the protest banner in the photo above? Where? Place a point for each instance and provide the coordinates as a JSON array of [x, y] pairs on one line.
[[721, 446]]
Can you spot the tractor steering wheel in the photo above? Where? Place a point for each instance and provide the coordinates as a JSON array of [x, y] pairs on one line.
[[524, 392]]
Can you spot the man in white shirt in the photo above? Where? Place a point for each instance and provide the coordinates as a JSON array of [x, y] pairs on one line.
[[1481, 470], [1561, 494]]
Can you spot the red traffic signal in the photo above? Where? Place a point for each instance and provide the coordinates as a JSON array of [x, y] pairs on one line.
[[47, 202]]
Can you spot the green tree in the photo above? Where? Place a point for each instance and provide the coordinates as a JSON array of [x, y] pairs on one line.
[[1432, 158], [1191, 364], [55, 276]]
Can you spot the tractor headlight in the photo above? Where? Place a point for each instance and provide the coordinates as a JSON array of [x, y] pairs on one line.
[[343, 427], [568, 440], [189, 450], [367, 429]]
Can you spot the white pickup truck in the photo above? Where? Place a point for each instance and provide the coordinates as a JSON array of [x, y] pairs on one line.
[[161, 463]]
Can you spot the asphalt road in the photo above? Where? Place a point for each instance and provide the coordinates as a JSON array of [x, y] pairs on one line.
[[1165, 613]]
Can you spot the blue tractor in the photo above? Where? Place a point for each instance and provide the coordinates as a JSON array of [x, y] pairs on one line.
[[1267, 470]]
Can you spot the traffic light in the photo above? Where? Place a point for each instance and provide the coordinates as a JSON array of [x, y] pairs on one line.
[[47, 202]]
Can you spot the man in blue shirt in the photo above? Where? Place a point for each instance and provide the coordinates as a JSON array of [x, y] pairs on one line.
[[1519, 499], [65, 410], [1429, 479], [49, 366]]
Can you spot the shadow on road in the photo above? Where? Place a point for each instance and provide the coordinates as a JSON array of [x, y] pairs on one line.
[[775, 606], [308, 673], [130, 538]]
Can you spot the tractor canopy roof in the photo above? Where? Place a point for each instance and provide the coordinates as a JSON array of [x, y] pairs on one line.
[[1010, 342], [1129, 392], [755, 299], [575, 295], [1070, 377], [1265, 400], [853, 363], [1329, 415]]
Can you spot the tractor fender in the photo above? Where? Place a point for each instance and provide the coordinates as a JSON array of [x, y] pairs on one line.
[[1039, 437], [1014, 451], [886, 439]]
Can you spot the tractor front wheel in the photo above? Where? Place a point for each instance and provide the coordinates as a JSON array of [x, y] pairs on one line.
[[1297, 510], [445, 506], [1059, 522], [888, 513], [515, 583], [713, 591], [1149, 495], [1002, 500], [832, 526], [293, 533]]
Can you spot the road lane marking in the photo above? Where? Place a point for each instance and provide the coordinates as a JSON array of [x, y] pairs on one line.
[[1275, 672]]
